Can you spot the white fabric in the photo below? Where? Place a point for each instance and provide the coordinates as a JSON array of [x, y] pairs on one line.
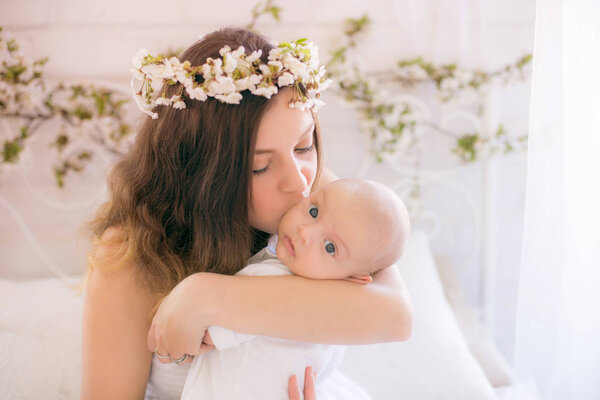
[[40, 340], [557, 346], [435, 362], [478, 337], [258, 367], [166, 380]]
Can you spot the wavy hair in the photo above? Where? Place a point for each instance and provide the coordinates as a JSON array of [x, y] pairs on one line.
[[180, 195]]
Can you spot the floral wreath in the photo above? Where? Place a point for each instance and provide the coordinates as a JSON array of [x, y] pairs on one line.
[[226, 77]]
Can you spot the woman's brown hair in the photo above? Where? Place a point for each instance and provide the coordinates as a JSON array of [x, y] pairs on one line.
[[180, 196]]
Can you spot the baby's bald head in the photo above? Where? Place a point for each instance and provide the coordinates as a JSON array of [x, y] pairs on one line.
[[382, 217]]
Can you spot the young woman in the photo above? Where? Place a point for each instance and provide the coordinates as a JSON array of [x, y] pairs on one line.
[[202, 189]]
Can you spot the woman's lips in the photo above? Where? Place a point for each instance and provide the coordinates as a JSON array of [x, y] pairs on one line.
[[288, 245]]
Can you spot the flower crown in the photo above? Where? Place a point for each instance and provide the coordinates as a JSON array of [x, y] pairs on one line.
[[226, 77]]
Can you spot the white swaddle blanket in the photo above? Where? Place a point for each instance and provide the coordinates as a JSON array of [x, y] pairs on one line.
[[258, 367]]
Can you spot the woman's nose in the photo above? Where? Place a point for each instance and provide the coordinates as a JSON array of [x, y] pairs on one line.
[[294, 180]]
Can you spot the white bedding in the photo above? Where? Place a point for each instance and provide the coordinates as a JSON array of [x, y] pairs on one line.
[[40, 339]]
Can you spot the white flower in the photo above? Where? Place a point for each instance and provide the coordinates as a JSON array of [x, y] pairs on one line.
[[463, 76], [197, 93], [224, 50], [178, 103], [264, 69], [449, 85], [285, 79], [229, 63], [415, 72], [221, 85], [275, 53], [138, 75], [163, 101], [266, 91], [160, 71], [231, 98], [237, 54], [296, 67], [254, 56], [139, 57], [276, 64]]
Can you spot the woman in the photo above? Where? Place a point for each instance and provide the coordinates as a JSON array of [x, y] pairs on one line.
[[201, 190]]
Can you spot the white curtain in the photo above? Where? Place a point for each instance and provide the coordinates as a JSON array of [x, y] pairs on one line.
[[557, 343]]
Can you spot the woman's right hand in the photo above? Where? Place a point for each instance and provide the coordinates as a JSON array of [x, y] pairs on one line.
[[309, 386], [176, 329]]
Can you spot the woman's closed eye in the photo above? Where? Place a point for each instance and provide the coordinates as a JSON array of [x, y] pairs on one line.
[[260, 171], [305, 149]]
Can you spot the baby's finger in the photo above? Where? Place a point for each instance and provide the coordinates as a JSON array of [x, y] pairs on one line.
[[293, 389]]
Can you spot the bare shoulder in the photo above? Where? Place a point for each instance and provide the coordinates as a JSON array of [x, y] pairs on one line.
[[116, 320]]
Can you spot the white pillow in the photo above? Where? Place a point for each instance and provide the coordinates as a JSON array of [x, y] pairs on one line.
[[435, 362], [478, 337], [40, 340]]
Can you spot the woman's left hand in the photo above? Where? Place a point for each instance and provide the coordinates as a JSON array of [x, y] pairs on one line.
[[309, 386], [176, 328]]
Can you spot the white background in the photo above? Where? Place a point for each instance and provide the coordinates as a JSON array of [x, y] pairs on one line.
[[95, 41]]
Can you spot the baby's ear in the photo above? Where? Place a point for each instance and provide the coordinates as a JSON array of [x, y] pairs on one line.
[[362, 279]]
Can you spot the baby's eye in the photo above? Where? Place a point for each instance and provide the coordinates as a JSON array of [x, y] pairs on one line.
[[313, 211], [329, 247]]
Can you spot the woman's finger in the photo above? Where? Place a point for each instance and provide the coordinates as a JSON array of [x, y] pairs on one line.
[[293, 389], [309, 384]]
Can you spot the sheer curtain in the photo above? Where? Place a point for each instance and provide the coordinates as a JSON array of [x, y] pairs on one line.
[[557, 343]]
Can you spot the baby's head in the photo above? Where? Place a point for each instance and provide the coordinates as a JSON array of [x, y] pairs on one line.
[[347, 229]]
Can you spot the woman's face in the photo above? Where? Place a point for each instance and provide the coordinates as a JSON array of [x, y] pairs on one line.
[[285, 162]]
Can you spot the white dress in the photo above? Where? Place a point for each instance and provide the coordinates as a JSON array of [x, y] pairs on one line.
[[258, 367]]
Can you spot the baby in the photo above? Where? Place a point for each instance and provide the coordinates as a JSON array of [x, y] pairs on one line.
[[348, 229]]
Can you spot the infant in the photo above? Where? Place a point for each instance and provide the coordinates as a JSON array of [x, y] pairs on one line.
[[347, 229]]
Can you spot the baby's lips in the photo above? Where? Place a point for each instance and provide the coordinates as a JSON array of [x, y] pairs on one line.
[[289, 246]]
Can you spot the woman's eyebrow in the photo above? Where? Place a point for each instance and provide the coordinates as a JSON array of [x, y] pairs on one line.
[[310, 129]]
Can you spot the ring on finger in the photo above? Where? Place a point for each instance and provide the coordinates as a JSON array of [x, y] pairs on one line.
[[179, 360], [160, 355]]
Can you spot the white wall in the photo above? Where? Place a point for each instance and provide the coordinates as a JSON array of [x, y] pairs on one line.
[[95, 40]]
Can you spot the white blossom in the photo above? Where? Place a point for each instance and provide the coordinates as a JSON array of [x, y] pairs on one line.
[[266, 91], [285, 79], [163, 101], [254, 56], [221, 85], [231, 98], [197, 93], [275, 53], [463, 76], [178, 103], [277, 64], [159, 71], [229, 63], [139, 57]]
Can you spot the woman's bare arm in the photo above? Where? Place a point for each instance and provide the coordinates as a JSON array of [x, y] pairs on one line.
[[116, 362], [289, 307]]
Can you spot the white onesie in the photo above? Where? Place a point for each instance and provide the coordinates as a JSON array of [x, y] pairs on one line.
[[258, 367]]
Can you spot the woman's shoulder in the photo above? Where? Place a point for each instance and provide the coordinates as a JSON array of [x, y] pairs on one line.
[[111, 269]]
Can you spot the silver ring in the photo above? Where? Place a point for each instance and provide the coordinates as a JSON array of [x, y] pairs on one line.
[[160, 355], [179, 360]]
